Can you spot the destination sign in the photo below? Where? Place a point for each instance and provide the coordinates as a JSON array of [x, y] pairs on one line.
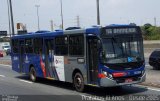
[[121, 30]]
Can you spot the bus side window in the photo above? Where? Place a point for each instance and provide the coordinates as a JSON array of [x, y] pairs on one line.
[[29, 45], [76, 45], [38, 45], [15, 45], [61, 45]]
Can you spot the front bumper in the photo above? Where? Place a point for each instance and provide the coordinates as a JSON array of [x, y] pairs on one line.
[[107, 82]]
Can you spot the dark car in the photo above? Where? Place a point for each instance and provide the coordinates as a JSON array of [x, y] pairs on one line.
[[154, 59], [8, 52]]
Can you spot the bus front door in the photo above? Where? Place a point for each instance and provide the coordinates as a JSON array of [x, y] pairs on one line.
[[21, 56], [93, 60], [49, 55]]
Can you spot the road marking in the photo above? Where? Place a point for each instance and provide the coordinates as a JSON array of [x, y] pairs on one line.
[[5, 65], [154, 89], [26, 81], [2, 76]]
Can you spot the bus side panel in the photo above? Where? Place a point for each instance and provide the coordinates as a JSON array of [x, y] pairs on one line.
[[15, 62], [31, 59], [71, 64], [38, 66]]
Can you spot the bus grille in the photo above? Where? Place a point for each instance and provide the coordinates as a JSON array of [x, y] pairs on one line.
[[122, 79]]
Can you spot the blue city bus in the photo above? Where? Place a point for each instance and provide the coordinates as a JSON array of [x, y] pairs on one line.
[[109, 56]]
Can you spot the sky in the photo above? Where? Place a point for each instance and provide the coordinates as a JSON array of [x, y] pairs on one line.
[[111, 12]]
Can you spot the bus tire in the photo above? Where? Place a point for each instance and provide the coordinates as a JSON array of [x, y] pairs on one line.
[[78, 82], [32, 74]]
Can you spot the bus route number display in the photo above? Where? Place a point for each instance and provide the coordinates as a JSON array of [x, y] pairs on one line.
[[121, 30]]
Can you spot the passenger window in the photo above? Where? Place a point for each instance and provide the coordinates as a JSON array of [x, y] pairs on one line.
[[29, 45], [38, 45], [15, 45], [61, 45], [76, 45]]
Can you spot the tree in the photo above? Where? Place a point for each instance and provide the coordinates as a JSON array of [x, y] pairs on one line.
[[147, 28], [150, 32]]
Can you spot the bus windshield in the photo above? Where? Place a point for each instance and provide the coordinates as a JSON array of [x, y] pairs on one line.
[[122, 50]]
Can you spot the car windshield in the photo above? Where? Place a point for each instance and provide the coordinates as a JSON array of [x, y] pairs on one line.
[[122, 50]]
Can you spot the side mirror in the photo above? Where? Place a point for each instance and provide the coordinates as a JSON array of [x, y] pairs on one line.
[[99, 44], [102, 54]]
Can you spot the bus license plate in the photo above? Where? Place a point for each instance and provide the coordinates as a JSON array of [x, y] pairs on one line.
[[128, 80]]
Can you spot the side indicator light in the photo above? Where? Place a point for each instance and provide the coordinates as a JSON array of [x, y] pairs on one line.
[[101, 75]]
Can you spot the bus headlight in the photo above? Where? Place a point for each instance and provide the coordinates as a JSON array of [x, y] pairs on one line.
[[110, 76], [143, 72], [107, 74]]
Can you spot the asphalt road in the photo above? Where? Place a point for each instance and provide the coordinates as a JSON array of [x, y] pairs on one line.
[[17, 86], [8, 58]]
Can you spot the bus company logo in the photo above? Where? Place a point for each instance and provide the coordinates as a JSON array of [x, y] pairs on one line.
[[58, 61], [15, 58], [26, 58]]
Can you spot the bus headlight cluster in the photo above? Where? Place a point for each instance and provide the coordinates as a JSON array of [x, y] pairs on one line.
[[110, 76], [143, 72], [107, 74]]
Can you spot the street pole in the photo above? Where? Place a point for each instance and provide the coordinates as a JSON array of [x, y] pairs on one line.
[[9, 21], [78, 21], [37, 6], [62, 14], [155, 21], [98, 13], [11, 16], [52, 25]]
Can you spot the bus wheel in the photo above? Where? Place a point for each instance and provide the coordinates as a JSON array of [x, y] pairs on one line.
[[78, 82], [32, 74]]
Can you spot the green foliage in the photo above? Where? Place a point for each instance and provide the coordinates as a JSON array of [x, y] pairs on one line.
[[150, 32]]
